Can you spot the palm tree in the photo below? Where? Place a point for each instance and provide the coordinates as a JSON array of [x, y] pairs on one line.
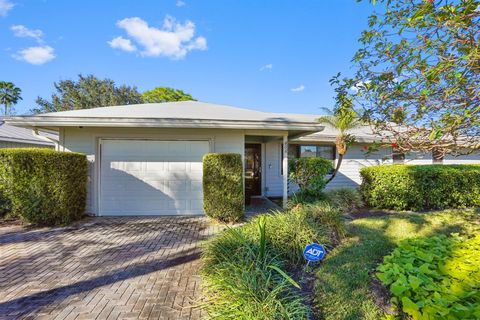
[[343, 119], [9, 95]]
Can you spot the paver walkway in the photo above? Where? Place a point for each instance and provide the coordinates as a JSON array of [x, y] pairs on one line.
[[105, 268]]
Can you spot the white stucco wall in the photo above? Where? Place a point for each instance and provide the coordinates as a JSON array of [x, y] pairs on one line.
[[85, 140]]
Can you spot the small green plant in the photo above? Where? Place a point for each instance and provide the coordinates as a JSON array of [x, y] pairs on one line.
[[346, 199], [436, 277], [291, 231], [309, 174], [244, 277], [421, 187], [42, 186], [223, 197]]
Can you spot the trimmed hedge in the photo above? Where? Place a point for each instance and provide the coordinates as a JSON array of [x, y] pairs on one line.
[[421, 187], [42, 186], [223, 197]]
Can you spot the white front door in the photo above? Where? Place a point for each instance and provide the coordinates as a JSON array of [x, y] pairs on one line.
[[145, 177]]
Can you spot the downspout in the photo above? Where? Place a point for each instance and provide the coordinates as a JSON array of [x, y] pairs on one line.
[[38, 135]]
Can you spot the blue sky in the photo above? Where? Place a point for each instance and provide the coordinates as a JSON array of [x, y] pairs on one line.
[[268, 55]]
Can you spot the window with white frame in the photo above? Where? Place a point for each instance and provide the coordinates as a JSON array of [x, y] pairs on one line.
[[309, 150]]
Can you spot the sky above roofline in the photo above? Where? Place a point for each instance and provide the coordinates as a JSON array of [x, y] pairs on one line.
[[269, 56]]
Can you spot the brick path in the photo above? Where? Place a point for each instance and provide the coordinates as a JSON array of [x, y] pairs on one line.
[[105, 268]]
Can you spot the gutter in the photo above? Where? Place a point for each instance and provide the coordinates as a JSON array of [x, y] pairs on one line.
[[163, 123]]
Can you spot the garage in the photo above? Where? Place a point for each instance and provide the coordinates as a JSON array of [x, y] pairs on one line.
[[151, 177]]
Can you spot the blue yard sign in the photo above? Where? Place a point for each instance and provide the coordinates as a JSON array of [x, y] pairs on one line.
[[314, 252]]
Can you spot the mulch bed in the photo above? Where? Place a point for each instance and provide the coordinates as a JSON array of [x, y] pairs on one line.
[[8, 222]]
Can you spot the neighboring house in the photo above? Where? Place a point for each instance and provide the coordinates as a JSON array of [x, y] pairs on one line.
[[14, 137], [147, 159]]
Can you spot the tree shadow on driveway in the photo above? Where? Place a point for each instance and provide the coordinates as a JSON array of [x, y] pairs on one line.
[[24, 306]]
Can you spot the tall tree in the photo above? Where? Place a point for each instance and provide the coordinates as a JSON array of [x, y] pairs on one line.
[[85, 93], [165, 94], [343, 119], [417, 74], [9, 96]]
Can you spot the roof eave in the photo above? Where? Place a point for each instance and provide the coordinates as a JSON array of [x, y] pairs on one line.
[[38, 121]]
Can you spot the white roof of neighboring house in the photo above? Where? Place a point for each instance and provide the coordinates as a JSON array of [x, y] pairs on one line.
[[362, 134], [184, 114], [19, 135]]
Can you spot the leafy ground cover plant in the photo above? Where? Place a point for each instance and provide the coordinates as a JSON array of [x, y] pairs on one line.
[[436, 277], [345, 286]]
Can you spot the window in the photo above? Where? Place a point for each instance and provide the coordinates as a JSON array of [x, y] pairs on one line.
[[437, 156], [304, 151], [398, 157], [326, 152]]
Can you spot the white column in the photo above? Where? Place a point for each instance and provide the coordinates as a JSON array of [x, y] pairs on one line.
[[285, 170]]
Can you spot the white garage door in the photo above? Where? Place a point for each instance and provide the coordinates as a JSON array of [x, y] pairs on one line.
[[142, 177]]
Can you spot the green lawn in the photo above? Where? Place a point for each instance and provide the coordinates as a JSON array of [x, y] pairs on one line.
[[344, 279]]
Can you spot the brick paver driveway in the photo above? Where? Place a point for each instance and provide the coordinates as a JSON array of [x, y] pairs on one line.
[[105, 268]]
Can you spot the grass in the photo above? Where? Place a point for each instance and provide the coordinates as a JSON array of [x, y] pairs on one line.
[[247, 271], [344, 281]]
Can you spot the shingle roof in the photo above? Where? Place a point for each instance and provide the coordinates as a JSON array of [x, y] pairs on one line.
[[19, 135]]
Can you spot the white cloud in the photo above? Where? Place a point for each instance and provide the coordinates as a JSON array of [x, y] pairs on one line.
[[173, 39], [35, 55], [5, 6], [298, 89], [122, 44], [180, 3], [358, 86], [267, 67], [23, 32]]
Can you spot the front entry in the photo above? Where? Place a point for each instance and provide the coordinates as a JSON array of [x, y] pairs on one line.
[[253, 171]]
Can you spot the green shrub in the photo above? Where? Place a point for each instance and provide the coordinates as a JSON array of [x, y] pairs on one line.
[[345, 199], [243, 278], [309, 174], [436, 277], [323, 213], [223, 186], [421, 187], [289, 232], [43, 186], [239, 280]]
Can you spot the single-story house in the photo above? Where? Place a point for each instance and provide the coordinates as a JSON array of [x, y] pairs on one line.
[[146, 159], [15, 137]]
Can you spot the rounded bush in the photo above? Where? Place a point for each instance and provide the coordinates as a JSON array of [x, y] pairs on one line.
[[421, 187], [309, 174], [223, 197]]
